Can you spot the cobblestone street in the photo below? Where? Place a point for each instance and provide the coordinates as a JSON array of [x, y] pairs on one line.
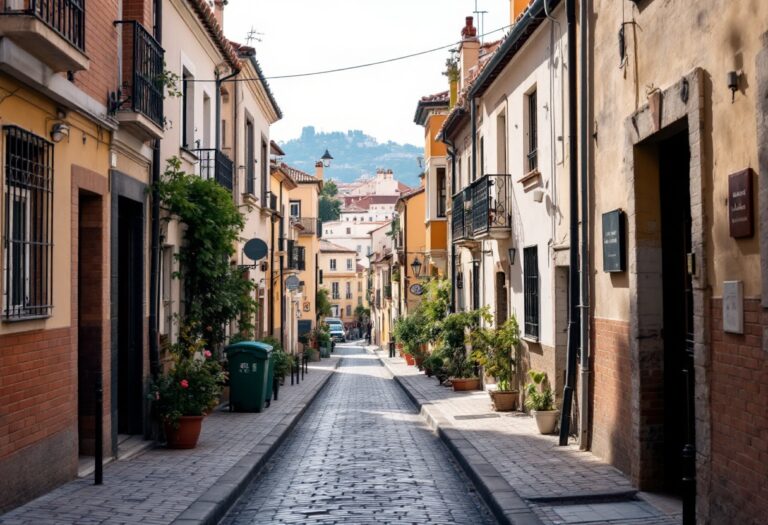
[[361, 454]]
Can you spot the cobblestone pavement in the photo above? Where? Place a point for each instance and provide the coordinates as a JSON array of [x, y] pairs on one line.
[[533, 466], [160, 485], [361, 454]]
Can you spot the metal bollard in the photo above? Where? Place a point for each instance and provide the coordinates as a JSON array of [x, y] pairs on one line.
[[98, 474], [391, 349], [275, 386]]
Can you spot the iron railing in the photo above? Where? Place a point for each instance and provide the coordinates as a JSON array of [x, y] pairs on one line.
[[491, 203], [457, 216], [142, 71], [65, 17], [215, 165]]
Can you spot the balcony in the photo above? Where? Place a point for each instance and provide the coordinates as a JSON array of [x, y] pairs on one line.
[[140, 98], [53, 31], [213, 164], [310, 225], [483, 209]]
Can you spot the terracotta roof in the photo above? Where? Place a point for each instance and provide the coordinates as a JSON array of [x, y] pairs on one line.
[[247, 52], [206, 16], [410, 194], [438, 100], [275, 149], [298, 175], [353, 209], [326, 246]]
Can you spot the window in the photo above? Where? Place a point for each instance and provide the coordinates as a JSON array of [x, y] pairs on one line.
[[206, 121], [360, 249], [482, 156], [334, 310], [27, 243], [348, 289], [533, 139], [349, 230], [263, 173], [349, 310], [359, 301], [250, 158], [359, 286], [187, 109], [368, 250], [475, 285], [441, 192], [501, 143], [333, 264], [531, 284], [334, 290], [349, 264], [296, 209], [299, 258]]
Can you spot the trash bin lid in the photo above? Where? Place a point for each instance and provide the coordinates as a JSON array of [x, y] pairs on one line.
[[256, 348]]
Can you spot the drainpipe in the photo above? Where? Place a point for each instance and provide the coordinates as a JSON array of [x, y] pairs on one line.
[[271, 280], [573, 282], [473, 116], [404, 276], [154, 256], [282, 257], [585, 296], [219, 82], [452, 154]]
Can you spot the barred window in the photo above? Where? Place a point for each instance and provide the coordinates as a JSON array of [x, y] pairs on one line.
[[531, 284], [27, 225]]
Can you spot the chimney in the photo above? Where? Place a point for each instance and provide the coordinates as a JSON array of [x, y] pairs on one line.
[[218, 11], [469, 50], [319, 170], [516, 7]]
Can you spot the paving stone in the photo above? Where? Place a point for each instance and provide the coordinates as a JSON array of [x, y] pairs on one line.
[[361, 454]]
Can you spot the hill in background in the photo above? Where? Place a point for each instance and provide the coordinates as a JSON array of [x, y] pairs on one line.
[[354, 153]]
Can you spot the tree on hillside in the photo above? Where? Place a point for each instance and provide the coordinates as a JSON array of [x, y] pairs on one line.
[[330, 205]]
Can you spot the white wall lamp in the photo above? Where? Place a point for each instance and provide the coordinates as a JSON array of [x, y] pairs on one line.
[[512, 253], [59, 131]]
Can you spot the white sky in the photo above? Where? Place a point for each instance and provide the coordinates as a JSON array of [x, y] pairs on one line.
[[312, 35]]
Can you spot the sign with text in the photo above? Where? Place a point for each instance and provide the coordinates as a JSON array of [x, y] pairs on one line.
[[740, 215], [614, 259]]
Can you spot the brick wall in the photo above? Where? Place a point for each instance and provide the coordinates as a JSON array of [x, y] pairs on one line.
[[101, 48], [739, 391], [38, 416], [612, 393]]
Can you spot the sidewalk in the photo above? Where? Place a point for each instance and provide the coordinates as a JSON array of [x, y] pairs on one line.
[[524, 476], [162, 486]]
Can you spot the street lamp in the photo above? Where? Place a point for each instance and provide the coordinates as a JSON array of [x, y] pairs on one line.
[[416, 266], [326, 158]]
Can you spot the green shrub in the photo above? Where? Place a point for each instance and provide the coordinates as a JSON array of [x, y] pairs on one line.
[[538, 396]]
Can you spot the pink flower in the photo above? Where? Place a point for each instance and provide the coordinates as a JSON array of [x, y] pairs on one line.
[[184, 383], [207, 354]]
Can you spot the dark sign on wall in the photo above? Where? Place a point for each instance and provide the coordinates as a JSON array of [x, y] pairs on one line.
[[614, 259], [740, 215]]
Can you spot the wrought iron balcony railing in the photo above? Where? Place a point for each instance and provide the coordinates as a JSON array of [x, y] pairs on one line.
[[483, 209], [457, 217], [65, 17], [142, 89], [215, 165]]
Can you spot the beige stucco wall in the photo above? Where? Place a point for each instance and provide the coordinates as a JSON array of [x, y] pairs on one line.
[[678, 30]]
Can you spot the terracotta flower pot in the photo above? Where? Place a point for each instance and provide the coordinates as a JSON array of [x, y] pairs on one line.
[[409, 360], [187, 433], [460, 385], [419, 360], [504, 401]]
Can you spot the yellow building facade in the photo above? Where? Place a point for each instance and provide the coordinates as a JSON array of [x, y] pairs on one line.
[[344, 279], [410, 248]]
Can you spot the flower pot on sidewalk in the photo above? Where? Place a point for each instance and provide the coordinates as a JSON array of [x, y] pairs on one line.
[[409, 360], [185, 433], [504, 400], [461, 385], [546, 420]]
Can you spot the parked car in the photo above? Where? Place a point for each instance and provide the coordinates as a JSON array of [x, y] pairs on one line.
[[336, 329]]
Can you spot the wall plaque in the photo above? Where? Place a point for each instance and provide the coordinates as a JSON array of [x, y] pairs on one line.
[[614, 259], [740, 215]]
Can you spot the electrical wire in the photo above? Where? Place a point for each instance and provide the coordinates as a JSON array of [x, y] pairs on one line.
[[351, 68]]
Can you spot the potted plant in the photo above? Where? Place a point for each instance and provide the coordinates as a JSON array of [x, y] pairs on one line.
[[492, 349], [540, 400], [408, 332], [452, 343], [190, 389]]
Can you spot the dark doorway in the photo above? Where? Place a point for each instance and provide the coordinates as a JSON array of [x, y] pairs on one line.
[[501, 299], [676, 266], [129, 314], [90, 315]]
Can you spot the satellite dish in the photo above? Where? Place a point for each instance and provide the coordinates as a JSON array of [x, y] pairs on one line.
[[255, 249]]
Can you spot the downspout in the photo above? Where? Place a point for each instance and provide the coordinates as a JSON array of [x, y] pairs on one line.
[[452, 154], [314, 299], [473, 116], [154, 260], [219, 82], [584, 273], [282, 260], [573, 203], [271, 280], [404, 276]]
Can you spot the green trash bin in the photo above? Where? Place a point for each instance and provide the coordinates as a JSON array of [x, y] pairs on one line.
[[249, 375]]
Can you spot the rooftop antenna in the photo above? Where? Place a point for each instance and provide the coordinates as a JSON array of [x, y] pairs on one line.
[[480, 15], [253, 35]]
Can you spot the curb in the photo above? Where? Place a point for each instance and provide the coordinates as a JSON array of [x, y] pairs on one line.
[[501, 498], [215, 502]]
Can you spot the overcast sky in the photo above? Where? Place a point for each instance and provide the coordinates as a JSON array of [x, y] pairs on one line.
[[302, 36]]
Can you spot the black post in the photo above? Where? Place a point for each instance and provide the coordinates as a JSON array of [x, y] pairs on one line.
[[688, 481], [98, 455], [275, 386], [391, 349]]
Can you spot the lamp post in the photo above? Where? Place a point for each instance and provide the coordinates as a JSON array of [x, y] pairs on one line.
[[416, 266], [326, 158]]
